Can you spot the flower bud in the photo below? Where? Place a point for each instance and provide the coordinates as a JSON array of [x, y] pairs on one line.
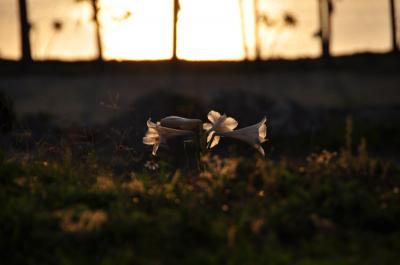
[[177, 122]]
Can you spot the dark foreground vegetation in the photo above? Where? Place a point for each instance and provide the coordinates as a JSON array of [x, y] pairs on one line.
[[328, 208], [91, 196]]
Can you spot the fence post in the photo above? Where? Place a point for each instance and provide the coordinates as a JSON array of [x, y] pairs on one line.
[[393, 24], [325, 12], [25, 28]]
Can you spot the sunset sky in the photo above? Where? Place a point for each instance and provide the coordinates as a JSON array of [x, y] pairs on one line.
[[207, 29]]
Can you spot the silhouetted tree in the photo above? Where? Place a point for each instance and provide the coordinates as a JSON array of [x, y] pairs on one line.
[[95, 8], [175, 30], [25, 27], [243, 29], [95, 17], [325, 15], [257, 30], [393, 22]]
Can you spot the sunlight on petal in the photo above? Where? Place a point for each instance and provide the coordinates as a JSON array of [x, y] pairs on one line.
[[213, 116], [210, 136], [230, 123], [215, 141], [207, 126]]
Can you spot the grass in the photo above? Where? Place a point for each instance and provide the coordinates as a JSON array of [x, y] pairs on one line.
[[61, 207]]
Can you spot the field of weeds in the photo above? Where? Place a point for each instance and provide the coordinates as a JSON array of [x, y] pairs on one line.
[[91, 196], [330, 207]]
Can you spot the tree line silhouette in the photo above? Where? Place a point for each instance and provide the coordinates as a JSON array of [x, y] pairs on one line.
[[326, 10]]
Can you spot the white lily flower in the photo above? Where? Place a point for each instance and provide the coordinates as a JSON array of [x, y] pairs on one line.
[[254, 135], [177, 122], [219, 124], [157, 134]]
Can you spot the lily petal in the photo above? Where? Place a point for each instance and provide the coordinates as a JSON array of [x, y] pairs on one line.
[[215, 141], [213, 116], [157, 134], [262, 131], [149, 140], [207, 126], [155, 148], [210, 136], [219, 124], [260, 149], [169, 132], [253, 135], [230, 123], [151, 124]]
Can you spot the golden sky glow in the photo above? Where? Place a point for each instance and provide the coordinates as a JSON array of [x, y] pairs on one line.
[[146, 34], [207, 29]]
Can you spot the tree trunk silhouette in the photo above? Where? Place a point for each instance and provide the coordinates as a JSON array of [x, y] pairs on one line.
[[393, 24], [243, 28], [98, 30], [175, 31], [25, 28], [257, 30], [325, 12]]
